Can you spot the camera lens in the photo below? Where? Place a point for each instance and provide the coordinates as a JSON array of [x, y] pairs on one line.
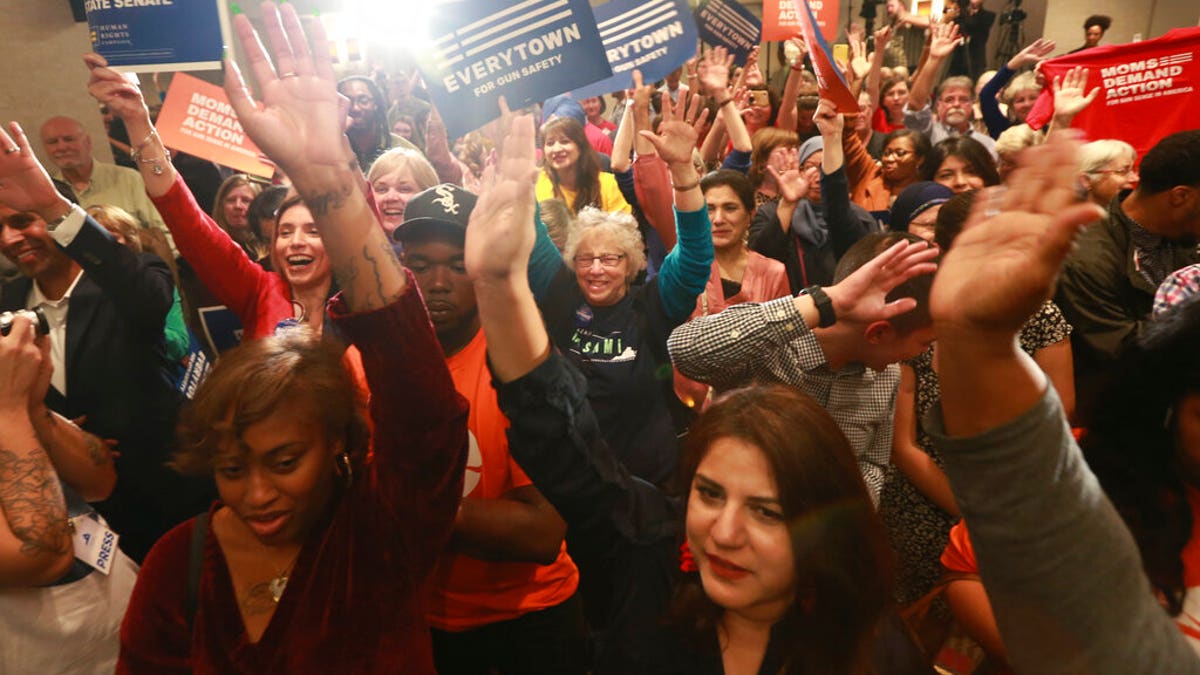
[[36, 315]]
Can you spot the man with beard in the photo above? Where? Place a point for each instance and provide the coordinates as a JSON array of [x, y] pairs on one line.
[[955, 98], [368, 129]]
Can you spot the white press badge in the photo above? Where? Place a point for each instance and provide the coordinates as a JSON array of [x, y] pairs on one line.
[[95, 544]]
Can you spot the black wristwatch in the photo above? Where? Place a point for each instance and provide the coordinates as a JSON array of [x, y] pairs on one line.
[[824, 305]]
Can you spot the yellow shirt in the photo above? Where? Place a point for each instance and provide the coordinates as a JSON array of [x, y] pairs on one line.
[[611, 198]]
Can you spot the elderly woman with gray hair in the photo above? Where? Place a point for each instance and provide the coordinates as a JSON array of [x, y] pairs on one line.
[[615, 329], [1106, 167]]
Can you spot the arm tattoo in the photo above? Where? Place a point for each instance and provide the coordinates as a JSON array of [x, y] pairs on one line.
[[321, 204], [96, 450], [33, 502]]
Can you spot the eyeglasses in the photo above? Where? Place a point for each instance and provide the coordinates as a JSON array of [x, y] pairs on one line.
[[897, 153], [608, 260], [1119, 172]]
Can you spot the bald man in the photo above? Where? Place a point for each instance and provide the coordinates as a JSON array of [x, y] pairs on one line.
[[69, 148]]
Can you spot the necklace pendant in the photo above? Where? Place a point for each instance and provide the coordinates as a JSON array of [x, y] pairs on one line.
[[276, 586]]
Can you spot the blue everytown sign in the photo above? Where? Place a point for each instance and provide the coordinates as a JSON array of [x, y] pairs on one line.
[[655, 37], [158, 35], [725, 23], [526, 51]]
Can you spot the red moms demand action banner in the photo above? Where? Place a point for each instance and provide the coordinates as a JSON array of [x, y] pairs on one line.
[[782, 18], [1148, 90]]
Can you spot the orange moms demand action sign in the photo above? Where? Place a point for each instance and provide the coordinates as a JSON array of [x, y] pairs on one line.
[[197, 119]]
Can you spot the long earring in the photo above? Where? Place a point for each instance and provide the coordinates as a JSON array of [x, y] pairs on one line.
[[344, 469]]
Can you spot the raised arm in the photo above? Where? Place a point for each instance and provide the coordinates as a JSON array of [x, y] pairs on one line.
[[875, 76], [944, 39], [1017, 474], [713, 71], [1069, 97], [554, 435], [35, 542], [786, 119], [686, 269], [298, 123], [651, 177], [220, 263], [845, 227]]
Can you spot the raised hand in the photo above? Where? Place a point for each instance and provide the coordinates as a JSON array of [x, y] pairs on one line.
[[860, 65], [501, 233], [882, 37], [111, 88], [299, 119], [641, 93], [1004, 264], [1032, 54], [713, 71], [862, 296], [677, 134], [944, 38], [828, 120], [752, 75], [1069, 99], [794, 184], [24, 184]]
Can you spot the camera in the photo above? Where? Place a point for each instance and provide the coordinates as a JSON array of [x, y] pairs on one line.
[[1013, 15], [36, 315]]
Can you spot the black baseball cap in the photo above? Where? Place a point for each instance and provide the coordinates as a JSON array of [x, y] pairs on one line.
[[442, 209]]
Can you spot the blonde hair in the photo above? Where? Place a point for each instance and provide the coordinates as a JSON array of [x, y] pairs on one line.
[[1016, 138], [620, 225], [118, 220], [558, 219], [1026, 80], [405, 158]]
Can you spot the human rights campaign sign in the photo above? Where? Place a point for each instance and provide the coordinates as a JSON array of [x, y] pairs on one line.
[[158, 35], [526, 51], [725, 23], [655, 37]]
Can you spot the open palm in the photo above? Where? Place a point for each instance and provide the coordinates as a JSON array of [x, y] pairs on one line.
[[501, 234]]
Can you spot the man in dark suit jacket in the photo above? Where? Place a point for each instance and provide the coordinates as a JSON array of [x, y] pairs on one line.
[[107, 306]]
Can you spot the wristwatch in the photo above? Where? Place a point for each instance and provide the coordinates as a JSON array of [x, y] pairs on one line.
[[824, 305]]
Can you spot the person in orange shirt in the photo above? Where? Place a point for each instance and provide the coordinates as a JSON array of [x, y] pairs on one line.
[[503, 598]]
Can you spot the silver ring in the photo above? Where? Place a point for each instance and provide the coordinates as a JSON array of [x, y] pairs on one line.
[[9, 151], [284, 76]]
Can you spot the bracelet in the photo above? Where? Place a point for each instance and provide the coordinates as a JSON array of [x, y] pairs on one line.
[[689, 186], [136, 153], [823, 304]]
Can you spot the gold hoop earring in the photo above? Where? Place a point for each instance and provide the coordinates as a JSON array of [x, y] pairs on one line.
[[344, 469]]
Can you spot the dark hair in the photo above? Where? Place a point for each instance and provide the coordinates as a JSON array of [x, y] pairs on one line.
[[250, 382], [265, 206], [383, 130], [1175, 160], [1131, 443], [843, 565], [865, 250], [1098, 20], [734, 180], [968, 150], [920, 144], [890, 84], [773, 100], [952, 217], [587, 168]]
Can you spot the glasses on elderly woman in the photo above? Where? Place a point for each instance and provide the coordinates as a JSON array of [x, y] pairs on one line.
[[1118, 172], [606, 260]]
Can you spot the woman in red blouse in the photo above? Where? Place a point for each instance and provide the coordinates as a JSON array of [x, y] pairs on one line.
[[315, 557]]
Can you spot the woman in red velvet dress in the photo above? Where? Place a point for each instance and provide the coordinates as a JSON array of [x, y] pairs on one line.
[[315, 556]]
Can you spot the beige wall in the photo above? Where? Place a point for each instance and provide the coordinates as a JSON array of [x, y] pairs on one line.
[[1151, 18], [43, 74]]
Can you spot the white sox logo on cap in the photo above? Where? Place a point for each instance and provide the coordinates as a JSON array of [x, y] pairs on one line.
[[446, 199]]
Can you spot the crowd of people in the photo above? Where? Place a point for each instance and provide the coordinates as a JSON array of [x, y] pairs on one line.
[[700, 377]]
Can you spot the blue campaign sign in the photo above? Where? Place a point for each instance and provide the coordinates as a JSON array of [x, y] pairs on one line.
[[654, 37], [526, 51], [725, 23], [159, 35]]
